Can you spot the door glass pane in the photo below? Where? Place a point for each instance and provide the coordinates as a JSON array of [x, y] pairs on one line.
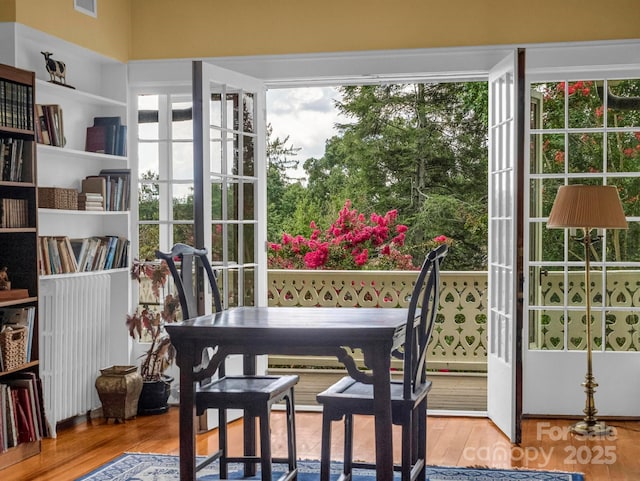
[[547, 154], [215, 106], [248, 241], [585, 153], [624, 246], [229, 156], [182, 165], [233, 165], [233, 111], [623, 152], [623, 331], [585, 105], [184, 233], [148, 201], [217, 233], [149, 160], [249, 283], [149, 239], [148, 127], [248, 156], [546, 330], [629, 192], [546, 245], [182, 202], [216, 198], [623, 103], [249, 107], [249, 199], [216, 150], [182, 120], [547, 100], [233, 197], [543, 193], [234, 251]]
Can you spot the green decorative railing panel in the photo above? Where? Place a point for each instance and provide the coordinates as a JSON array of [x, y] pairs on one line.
[[619, 301], [459, 340]]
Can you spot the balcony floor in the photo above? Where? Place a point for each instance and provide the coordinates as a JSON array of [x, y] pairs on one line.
[[449, 392]]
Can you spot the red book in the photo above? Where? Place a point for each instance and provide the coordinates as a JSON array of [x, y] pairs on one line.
[[22, 422], [96, 140]]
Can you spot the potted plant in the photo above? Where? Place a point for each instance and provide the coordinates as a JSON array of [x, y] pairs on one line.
[[146, 325]]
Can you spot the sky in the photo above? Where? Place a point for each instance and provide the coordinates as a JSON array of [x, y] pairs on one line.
[[307, 116]]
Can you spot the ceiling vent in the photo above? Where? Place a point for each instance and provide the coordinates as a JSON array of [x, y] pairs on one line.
[[88, 7]]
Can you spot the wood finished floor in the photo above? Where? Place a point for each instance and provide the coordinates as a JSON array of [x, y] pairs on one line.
[[452, 441]]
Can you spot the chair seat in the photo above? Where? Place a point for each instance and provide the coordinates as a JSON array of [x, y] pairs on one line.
[[243, 392], [350, 396]]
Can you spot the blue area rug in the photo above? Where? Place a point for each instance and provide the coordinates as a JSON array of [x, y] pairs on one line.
[[162, 467]]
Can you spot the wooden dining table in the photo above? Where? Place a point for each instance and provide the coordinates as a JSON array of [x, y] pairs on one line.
[[309, 331]]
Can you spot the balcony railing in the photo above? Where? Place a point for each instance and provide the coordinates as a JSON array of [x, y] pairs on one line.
[[459, 341]]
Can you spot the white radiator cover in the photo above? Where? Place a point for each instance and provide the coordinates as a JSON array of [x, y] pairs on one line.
[[74, 316]]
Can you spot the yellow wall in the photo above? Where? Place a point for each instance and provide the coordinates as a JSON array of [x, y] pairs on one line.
[[7, 11], [150, 29], [205, 28], [109, 34]]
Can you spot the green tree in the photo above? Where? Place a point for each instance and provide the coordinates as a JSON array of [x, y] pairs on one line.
[[410, 147]]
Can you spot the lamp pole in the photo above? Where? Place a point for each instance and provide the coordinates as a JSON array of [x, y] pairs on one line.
[[589, 425]]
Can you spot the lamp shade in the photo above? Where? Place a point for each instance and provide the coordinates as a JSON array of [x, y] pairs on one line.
[[587, 206]]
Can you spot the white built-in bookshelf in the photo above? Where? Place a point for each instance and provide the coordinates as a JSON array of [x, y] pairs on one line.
[[82, 314]]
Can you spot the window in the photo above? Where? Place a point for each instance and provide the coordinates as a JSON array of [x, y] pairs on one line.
[[584, 132]]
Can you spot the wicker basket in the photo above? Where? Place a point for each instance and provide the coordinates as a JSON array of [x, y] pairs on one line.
[[57, 198], [13, 347]]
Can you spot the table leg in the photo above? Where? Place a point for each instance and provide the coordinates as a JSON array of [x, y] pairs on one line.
[[380, 364], [249, 423], [185, 360]]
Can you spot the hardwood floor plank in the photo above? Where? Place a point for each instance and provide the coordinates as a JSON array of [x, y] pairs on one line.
[[450, 441]]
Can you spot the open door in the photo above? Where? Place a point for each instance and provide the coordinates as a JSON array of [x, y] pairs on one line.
[[505, 244], [230, 180], [229, 156]]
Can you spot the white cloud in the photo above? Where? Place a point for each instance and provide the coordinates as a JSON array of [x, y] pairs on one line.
[[306, 115]]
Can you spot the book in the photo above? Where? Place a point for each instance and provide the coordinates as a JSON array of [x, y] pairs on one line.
[[14, 294], [10, 417], [27, 397], [111, 126], [96, 140], [118, 197]]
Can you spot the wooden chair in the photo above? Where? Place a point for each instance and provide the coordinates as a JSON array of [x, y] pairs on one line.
[[408, 396], [253, 394]]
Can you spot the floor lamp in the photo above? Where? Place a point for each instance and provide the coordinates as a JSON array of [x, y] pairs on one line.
[[588, 207]]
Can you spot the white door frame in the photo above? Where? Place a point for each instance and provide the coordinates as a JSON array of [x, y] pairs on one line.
[[414, 65]]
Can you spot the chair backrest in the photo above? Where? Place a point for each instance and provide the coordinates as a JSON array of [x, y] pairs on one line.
[[423, 309], [184, 277]]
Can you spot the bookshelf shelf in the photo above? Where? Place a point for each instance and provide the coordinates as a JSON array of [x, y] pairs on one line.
[[20, 185], [51, 277], [46, 88], [65, 212], [17, 230], [18, 302], [26, 365], [79, 155]]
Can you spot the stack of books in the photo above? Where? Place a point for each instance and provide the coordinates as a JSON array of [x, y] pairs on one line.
[[90, 201]]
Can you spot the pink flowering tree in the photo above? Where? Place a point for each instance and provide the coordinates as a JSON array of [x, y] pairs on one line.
[[352, 242]]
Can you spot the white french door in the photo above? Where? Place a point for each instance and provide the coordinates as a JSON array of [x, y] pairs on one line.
[[503, 362], [230, 179]]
